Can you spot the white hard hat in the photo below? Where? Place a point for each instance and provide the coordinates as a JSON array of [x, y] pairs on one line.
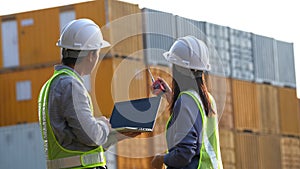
[[189, 52], [82, 34]]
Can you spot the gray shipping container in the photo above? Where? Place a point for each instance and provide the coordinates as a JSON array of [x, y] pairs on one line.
[[286, 65], [264, 59], [242, 62], [21, 146], [218, 43], [187, 26], [159, 33]]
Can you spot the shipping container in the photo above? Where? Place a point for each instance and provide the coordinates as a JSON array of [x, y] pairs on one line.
[[264, 59], [10, 49], [245, 112], [115, 80], [94, 10], [269, 151], [290, 153], [247, 151], [289, 111], [220, 88], [36, 38], [187, 27], [135, 152], [157, 39], [125, 25], [218, 44], [242, 62], [268, 108], [19, 94], [101, 80], [35, 41], [227, 145], [286, 65], [22, 147], [159, 137], [1, 54]]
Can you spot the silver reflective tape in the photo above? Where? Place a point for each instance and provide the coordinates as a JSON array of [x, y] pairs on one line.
[[208, 147], [210, 151], [93, 158], [64, 162]]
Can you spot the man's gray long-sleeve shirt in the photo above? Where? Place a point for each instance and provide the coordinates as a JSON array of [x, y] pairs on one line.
[[70, 115]]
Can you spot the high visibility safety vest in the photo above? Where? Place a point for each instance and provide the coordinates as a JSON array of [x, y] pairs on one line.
[[210, 154], [58, 156]]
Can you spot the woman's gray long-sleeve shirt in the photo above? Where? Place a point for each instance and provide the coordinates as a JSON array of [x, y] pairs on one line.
[[71, 117], [184, 135]]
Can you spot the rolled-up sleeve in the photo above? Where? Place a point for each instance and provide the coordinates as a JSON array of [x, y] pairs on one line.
[[183, 139]]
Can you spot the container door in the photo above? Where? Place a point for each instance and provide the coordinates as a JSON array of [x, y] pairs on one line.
[[65, 17], [10, 43]]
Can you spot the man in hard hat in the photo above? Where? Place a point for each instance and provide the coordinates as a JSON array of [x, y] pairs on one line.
[[73, 138]]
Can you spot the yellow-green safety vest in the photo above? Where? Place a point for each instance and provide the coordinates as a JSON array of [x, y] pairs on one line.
[[210, 154], [58, 156]]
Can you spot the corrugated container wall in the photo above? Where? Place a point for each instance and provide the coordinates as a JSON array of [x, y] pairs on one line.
[[227, 145], [1, 61], [244, 97], [220, 88], [102, 88], [247, 152], [136, 152], [157, 39], [117, 80], [269, 150], [264, 59], [286, 65], [187, 26], [289, 111], [290, 153], [125, 29], [218, 43], [268, 108], [38, 34], [22, 147], [94, 10], [19, 94], [242, 63], [159, 141]]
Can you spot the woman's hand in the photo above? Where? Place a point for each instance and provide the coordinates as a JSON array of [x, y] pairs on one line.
[[158, 161], [168, 91]]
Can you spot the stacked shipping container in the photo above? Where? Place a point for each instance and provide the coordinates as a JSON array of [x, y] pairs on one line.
[[259, 122]]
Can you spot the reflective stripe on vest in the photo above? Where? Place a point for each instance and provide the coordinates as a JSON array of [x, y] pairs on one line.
[[207, 148], [58, 156]]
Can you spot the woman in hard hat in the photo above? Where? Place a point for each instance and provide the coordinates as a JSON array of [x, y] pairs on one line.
[[192, 129]]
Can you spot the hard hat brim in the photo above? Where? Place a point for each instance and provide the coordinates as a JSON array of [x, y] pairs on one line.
[[171, 59], [105, 44]]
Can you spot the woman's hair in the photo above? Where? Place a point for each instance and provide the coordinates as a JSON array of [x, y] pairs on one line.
[[71, 57], [185, 79]]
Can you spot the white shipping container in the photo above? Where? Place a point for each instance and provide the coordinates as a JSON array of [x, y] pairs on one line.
[[264, 59], [159, 33], [21, 146], [286, 65], [190, 27], [241, 54]]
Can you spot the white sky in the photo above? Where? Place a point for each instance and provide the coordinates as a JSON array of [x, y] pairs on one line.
[[272, 18]]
